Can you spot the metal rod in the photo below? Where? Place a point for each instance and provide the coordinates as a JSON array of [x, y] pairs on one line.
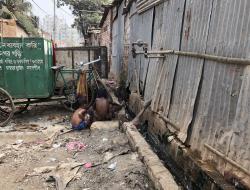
[[222, 59], [170, 122], [41, 100], [227, 159], [91, 62], [156, 57], [54, 24]]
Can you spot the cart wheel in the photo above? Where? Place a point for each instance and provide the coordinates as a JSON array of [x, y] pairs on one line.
[[7, 107], [69, 91], [22, 108]]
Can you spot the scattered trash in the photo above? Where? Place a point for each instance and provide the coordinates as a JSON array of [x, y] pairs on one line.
[[25, 127], [18, 142], [65, 173], [75, 146], [112, 166], [43, 170], [52, 159], [2, 157], [88, 165], [104, 140], [50, 179], [56, 145], [8, 128], [62, 173], [108, 156]]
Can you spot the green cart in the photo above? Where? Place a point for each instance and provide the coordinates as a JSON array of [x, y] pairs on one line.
[[28, 75]]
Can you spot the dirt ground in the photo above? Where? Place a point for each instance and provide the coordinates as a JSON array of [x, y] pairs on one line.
[[35, 154]]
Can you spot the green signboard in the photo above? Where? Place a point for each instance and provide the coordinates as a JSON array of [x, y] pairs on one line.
[[25, 67]]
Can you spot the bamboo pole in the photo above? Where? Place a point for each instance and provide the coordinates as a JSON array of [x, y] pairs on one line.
[[227, 159], [168, 121], [221, 59]]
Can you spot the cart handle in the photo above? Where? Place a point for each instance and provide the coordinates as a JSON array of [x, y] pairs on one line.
[[91, 62]]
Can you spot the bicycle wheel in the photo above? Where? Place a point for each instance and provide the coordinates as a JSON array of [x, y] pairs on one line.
[[69, 91], [7, 107]]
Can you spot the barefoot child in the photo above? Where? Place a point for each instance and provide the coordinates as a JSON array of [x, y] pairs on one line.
[[80, 119]]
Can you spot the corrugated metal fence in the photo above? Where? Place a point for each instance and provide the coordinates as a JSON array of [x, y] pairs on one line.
[[209, 101]]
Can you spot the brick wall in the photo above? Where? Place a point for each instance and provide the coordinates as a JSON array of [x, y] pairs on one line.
[[9, 28], [20, 32]]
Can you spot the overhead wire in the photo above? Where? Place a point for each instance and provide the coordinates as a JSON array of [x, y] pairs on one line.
[[39, 7]]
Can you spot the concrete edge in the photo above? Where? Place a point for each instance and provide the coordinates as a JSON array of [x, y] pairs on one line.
[[158, 173]]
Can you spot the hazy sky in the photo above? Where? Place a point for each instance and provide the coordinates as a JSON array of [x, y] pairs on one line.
[[48, 7]]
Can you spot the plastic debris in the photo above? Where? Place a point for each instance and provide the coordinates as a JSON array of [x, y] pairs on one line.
[[52, 159], [104, 140], [75, 146], [2, 157], [88, 165], [56, 145], [19, 142], [108, 156], [112, 166]]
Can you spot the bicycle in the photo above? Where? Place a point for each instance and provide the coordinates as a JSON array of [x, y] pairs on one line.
[[69, 88]]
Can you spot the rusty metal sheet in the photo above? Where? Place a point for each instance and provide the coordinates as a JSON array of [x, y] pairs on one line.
[[189, 70], [117, 43], [115, 65], [155, 65], [208, 100], [145, 31], [141, 29], [133, 37], [172, 27], [222, 117]]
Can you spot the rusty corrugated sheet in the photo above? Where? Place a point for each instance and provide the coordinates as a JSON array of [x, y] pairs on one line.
[[208, 100], [133, 37], [145, 5], [117, 43], [222, 117], [141, 29], [155, 65], [188, 74], [145, 24], [172, 27]]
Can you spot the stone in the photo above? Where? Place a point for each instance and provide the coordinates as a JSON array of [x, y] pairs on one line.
[[104, 125]]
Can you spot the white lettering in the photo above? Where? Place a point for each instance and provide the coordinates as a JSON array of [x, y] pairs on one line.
[[14, 45], [19, 68], [15, 68], [17, 53], [31, 45], [8, 61], [34, 68], [26, 61], [5, 53], [10, 68], [37, 61]]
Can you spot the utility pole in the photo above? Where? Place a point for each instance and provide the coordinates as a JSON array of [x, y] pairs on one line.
[[54, 26], [1, 12]]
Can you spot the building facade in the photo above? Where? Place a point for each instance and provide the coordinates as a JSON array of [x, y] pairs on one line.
[[10, 28]]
